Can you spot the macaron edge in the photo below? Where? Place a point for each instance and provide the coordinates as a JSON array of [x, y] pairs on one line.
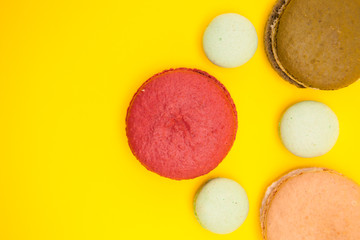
[[271, 28]]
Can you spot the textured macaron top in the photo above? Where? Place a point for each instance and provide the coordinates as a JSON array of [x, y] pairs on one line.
[[181, 123], [315, 43], [311, 203]]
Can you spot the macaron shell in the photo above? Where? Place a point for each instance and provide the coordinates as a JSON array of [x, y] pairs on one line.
[[274, 187], [270, 43], [311, 203], [318, 42], [181, 123], [221, 205], [315, 43], [309, 129], [230, 40]]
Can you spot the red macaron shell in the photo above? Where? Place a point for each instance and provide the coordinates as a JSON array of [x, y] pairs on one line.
[[181, 123]]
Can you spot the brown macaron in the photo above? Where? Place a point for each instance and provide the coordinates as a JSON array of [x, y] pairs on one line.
[[315, 44], [313, 204]]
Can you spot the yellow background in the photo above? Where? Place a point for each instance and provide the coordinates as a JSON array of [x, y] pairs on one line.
[[68, 70]]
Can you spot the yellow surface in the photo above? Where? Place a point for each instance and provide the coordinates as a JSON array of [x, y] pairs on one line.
[[68, 70]]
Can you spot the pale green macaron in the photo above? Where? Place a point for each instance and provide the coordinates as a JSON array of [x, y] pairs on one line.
[[230, 40], [221, 205], [309, 129]]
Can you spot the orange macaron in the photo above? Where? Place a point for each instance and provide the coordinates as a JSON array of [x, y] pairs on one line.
[[312, 204]]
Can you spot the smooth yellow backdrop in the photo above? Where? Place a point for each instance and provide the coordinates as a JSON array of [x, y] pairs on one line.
[[68, 70]]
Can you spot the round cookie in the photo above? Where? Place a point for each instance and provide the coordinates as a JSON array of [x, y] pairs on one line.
[[315, 43], [230, 40], [309, 129], [221, 205], [313, 204], [181, 123]]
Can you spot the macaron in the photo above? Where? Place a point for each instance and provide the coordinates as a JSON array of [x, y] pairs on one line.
[[311, 203], [309, 129], [315, 44], [181, 123], [230, 40], [221, 205]]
